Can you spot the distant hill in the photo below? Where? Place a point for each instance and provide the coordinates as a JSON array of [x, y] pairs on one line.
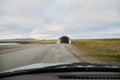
[[26, 39], [17, 40]]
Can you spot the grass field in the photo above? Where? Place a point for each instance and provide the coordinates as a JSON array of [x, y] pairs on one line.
[[45, 42], [10, 48], [100, 50], [4, 47]]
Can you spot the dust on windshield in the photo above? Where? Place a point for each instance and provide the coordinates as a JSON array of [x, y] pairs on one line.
[[59, 31]]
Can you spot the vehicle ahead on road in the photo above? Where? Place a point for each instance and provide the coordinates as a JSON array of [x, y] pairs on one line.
[[73, 71]]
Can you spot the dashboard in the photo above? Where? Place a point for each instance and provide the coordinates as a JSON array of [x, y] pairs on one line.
[[67, 76]]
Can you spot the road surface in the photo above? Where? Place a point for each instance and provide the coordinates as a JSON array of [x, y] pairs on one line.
[[41, 53]]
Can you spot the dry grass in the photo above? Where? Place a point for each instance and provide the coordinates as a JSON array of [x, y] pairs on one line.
[[103, 51], [4, 49], [45, 42]]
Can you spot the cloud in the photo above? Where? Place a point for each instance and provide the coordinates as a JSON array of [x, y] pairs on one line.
[[53, 18]]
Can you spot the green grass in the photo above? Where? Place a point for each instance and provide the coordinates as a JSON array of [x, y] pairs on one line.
[[102, 50]]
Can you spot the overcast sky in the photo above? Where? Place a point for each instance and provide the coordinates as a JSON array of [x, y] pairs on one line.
[[50, 19]]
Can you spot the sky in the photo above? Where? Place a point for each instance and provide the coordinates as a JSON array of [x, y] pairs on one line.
[[51, 19]]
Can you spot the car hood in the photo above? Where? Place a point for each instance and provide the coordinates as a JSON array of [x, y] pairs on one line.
[[33, 66], [62, 65]]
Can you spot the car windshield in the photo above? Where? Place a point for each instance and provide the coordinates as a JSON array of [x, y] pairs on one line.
[[46, 32]]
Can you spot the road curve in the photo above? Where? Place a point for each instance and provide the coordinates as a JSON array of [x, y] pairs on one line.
[[41, 53]]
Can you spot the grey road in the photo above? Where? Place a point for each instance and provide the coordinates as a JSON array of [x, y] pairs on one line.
[[42, 53]]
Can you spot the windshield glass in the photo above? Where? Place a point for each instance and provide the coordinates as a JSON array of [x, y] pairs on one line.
[[59, 31]]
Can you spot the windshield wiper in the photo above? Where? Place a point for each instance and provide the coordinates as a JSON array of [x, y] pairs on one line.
[[74, 67]]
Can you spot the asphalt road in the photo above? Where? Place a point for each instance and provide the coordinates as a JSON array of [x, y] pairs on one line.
[[42, 53]]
